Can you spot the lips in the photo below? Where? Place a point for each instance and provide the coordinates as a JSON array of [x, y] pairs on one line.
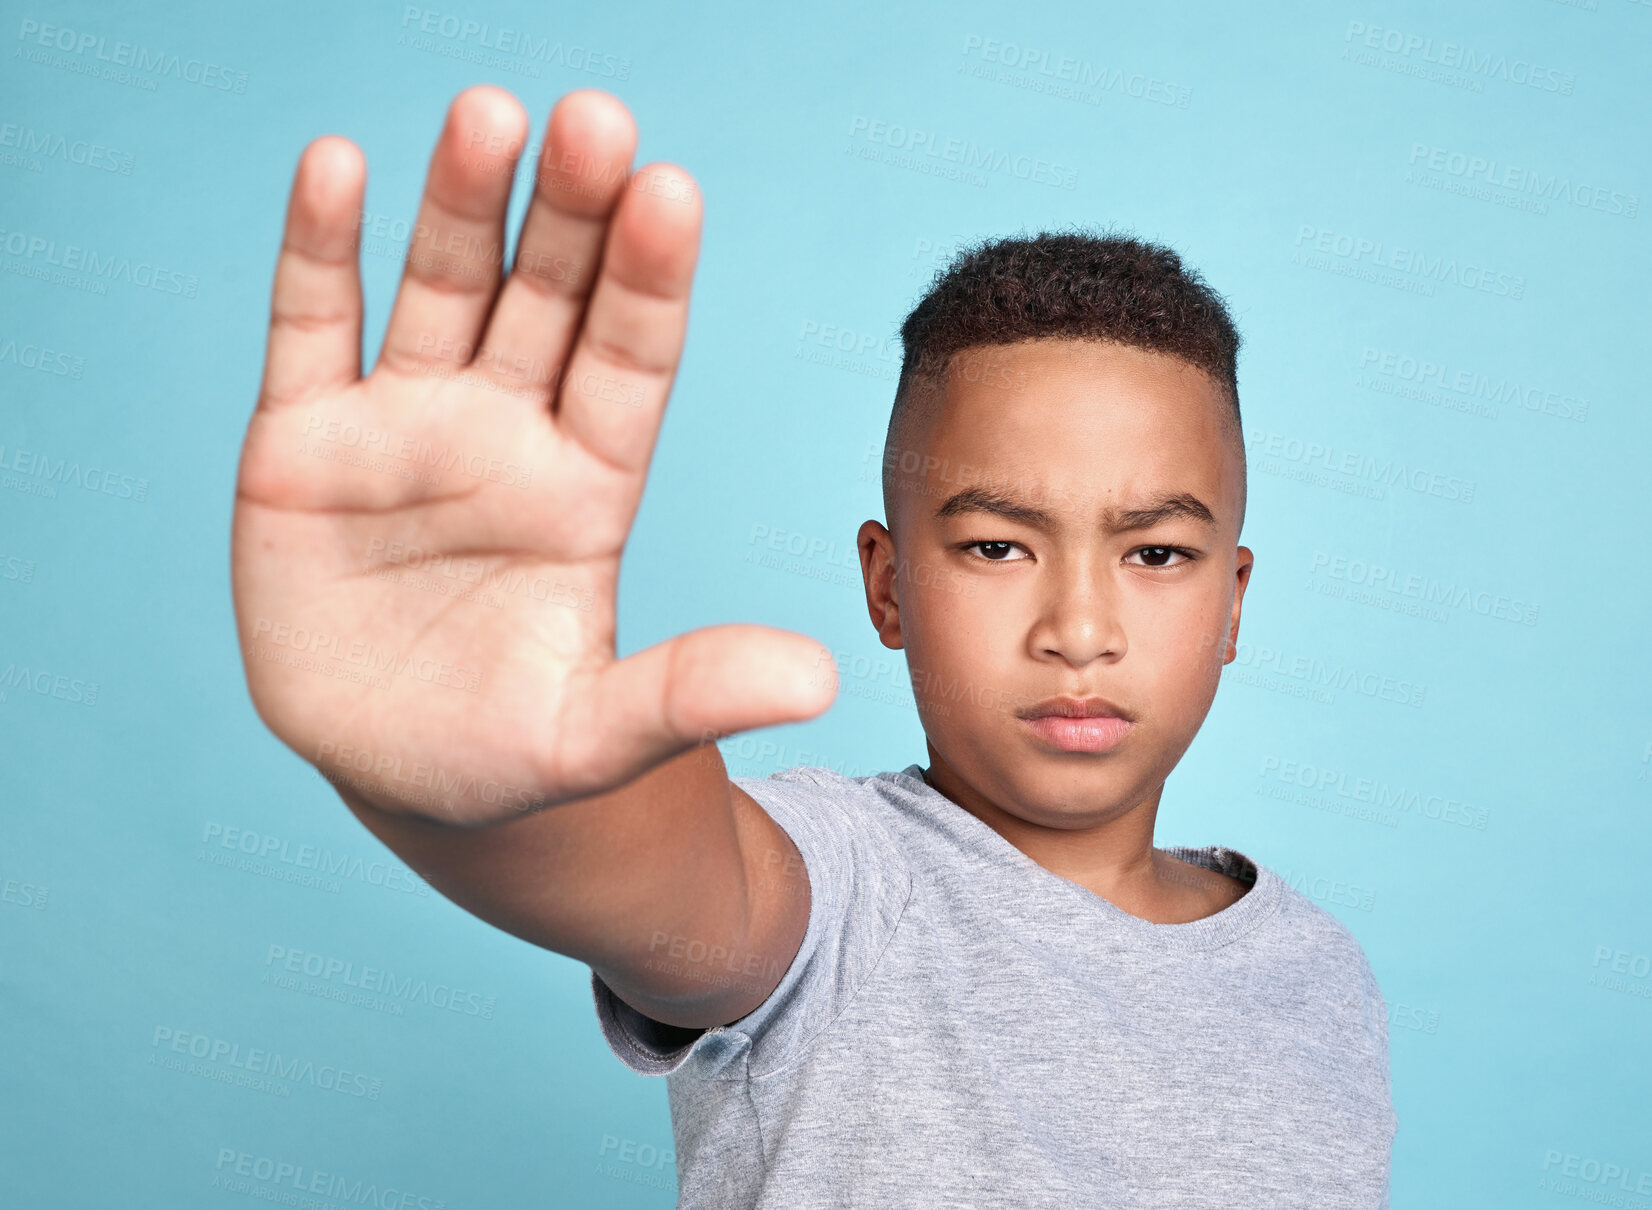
[[1075, 707], [1072, 724]]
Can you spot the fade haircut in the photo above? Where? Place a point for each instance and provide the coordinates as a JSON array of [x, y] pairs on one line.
[[1076, 285]]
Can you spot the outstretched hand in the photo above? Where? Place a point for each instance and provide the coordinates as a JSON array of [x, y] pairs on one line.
[[425, 559]]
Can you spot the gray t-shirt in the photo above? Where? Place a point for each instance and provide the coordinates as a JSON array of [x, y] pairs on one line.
[[963, 1028]]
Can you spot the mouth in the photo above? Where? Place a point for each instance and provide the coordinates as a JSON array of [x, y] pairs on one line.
[[1070, 724]]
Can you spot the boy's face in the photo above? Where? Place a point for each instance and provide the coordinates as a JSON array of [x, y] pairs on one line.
[[1069, 596]]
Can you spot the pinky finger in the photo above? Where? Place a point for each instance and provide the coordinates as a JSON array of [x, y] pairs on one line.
[[315, 308]]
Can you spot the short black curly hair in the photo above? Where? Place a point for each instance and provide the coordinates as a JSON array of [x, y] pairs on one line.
[[1073, 284]]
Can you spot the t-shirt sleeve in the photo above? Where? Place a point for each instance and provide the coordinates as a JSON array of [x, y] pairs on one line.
[[859, 883]]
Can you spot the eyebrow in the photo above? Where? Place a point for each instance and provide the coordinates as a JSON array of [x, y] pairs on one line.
[[1003, 504]]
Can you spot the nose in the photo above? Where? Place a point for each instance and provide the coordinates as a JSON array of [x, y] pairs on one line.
[[1079, 618]]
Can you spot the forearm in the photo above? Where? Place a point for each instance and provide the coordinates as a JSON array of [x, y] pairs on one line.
[[627, 882]]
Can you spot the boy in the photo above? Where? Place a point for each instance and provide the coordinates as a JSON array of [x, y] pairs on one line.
[[975, 983]]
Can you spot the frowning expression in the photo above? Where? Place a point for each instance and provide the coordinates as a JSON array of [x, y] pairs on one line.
[[1064, 544]]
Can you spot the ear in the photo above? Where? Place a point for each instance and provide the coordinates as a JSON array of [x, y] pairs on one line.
[[1246, 559], [877, 569]]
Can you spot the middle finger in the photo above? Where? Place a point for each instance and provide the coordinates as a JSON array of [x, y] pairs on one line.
[[457, 247]]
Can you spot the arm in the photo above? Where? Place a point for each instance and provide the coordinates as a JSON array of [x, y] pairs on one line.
[[624, 881]]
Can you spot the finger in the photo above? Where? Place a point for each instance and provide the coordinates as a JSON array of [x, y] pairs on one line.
[[582, 170], [457, 248], [614, 389], [315, 305], [651, 706]]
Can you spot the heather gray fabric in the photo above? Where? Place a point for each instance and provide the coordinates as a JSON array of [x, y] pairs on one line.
[[963, 1028]]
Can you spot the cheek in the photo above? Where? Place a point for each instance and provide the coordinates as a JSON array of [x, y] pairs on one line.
[[961, 644], [935, 582], [966, 628], [1187, 640]]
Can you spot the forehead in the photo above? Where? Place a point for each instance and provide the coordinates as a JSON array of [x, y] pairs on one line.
[[1086, 425]]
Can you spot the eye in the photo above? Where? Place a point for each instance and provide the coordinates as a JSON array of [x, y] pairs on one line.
[[999, 551], [1155, 553]]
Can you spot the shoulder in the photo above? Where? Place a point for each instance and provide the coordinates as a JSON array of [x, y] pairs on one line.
[[842, 826], [859, 885], [1321, 938], [1334, 967], [830, 798], [833, 779]]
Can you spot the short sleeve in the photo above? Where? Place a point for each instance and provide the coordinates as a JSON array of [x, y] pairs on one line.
[[859, 883]]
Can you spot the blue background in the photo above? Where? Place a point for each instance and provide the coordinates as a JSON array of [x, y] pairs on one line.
[[1500, 893]]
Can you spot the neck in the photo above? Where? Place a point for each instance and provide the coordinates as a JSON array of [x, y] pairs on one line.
[[1109, 852]]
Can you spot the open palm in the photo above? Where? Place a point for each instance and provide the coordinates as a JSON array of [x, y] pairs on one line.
[[425, 559]]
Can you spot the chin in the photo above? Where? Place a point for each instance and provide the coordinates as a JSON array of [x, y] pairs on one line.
[[1062, 791]]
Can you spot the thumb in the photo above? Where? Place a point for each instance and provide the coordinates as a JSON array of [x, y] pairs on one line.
[[640, 711]]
